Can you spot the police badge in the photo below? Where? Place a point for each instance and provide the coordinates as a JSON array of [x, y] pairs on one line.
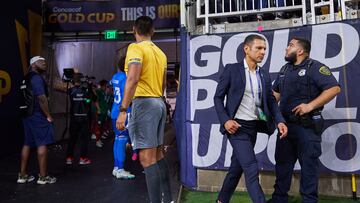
[[302, 72]]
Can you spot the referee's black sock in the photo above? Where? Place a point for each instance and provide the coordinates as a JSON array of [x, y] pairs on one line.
[[152, 175], [164, 180]]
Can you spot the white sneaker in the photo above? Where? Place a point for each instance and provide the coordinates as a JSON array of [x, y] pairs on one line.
[[122, 174], [93, 137], [25, 178], [46, 180], [99, 143], [127, 172], [114, 172]]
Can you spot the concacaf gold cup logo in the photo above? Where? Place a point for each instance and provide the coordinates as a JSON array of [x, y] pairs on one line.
[[75, 15], [81, 15]]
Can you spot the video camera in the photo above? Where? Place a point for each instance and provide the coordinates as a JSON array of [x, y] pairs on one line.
[[86, 81], [68, 76]]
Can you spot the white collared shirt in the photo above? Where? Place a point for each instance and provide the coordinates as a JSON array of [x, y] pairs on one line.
[[247, 109]]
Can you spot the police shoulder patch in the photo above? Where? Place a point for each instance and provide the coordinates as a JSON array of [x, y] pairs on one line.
[[324, 70]]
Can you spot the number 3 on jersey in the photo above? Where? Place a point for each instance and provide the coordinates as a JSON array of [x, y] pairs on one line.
[[117, 95]]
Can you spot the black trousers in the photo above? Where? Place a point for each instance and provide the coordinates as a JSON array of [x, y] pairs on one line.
[[79, 128]]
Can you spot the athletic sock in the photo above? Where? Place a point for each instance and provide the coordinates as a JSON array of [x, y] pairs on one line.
[[121, 151], [152, 175], [115, 149]]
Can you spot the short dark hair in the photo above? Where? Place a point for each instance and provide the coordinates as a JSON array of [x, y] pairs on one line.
[[250, 39], [144, 25], [103, 83], [121, 57], [304, 43]]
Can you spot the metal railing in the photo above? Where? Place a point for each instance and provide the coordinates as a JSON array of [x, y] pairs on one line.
[[212, 9], [349, 10], [320, 4]]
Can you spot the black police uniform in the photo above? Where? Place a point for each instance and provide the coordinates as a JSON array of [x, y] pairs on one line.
[[299, 84], [79, 119]]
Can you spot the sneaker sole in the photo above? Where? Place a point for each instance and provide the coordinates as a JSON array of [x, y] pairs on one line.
[[45, 182], [21, 181], [125, 178], [24, 181]]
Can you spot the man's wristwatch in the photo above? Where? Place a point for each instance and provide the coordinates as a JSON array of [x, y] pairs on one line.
[[123, 109]]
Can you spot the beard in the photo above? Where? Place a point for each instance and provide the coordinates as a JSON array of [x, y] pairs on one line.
[[40, 70], [291, 58]]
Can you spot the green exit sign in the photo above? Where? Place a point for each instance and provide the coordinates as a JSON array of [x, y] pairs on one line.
[[110, 34]]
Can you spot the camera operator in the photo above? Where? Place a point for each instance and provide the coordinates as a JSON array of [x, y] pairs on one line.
[[80, 102]]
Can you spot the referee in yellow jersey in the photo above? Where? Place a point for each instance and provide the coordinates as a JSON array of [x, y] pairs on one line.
[[145, 67]]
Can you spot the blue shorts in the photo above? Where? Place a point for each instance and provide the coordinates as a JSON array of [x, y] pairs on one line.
[[120, 132], [38, 130]]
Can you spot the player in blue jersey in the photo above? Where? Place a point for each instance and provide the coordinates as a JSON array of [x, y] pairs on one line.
[[121, 137]]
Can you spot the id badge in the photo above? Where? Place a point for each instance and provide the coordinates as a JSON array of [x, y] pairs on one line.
[[262, 115]]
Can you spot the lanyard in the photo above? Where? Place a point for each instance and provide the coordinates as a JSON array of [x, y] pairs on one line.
[[257, 102]]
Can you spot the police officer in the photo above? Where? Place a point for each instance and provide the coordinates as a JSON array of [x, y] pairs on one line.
[[80, 98], [303, 87]]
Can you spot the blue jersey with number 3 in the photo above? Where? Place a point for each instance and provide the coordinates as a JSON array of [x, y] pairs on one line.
[[118, 83]]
